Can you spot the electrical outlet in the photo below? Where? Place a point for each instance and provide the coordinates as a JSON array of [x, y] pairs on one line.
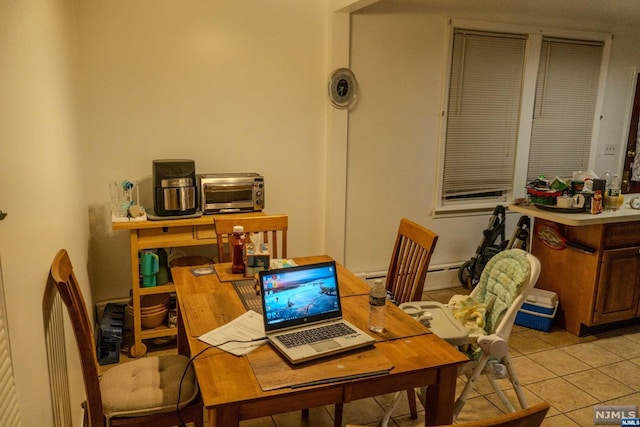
[[610, 149]]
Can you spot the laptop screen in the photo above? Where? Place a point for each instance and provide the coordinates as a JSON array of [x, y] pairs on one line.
[[299, 295]]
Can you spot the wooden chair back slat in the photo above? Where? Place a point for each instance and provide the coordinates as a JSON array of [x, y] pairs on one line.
[[410, 261], [270, 225]]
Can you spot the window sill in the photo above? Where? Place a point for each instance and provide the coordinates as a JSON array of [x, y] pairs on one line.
[[461, 211]]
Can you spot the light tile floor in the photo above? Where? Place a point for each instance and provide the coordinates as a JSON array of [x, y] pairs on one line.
[[570, 373]]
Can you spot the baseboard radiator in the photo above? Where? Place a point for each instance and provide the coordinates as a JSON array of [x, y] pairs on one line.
[[57, 359], [441, 276]]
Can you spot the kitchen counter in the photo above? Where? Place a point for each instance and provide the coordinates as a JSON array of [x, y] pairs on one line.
[[596, 287], [624, 214]]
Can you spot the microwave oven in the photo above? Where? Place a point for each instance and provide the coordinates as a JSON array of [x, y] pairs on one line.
[[231, 192]]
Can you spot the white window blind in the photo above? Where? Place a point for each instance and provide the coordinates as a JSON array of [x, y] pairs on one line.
[[482, 114], [9, 409], [564, 109]]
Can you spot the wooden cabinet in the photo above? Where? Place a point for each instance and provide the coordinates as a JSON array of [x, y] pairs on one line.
[[618, 287], [593, 288], [163, 234]]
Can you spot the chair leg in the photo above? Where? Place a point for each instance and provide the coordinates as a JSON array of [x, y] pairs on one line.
[[503, 398], [389, 412], [411, 396], [337, 414], [305, 413], [515, 381], [462, 399]]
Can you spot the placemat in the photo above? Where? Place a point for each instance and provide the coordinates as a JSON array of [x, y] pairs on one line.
[[223, 270], [247, 292], [273, 372]]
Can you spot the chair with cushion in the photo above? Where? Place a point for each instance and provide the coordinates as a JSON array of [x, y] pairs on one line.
[[529, 417], [269, 225], [159, 391]]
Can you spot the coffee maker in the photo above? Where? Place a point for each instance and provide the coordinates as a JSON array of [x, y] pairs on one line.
[[174, 187]]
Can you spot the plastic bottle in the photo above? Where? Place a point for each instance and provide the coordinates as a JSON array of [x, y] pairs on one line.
[[612, 194], [377, 299], [237, 250]]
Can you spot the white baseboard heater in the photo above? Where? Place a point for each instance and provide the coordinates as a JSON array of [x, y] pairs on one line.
[[441, 276]]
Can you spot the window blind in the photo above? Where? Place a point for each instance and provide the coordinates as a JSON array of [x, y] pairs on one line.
[[482, 114], [9, 409], [564, 109]]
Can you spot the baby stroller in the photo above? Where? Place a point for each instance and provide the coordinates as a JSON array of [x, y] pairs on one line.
[[493, 242]]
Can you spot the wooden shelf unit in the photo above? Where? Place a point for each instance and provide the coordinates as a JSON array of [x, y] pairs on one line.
[[173, 233]]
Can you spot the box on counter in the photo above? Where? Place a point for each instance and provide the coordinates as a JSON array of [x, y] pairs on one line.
[[258, 257], [538, 310]]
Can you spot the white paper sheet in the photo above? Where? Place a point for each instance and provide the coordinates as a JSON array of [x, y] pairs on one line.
[[240, 336]]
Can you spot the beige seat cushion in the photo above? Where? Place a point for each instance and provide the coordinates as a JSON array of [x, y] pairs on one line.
[[147, 386]]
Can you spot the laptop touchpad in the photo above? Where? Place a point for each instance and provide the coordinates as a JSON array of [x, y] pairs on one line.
[[324, 345]]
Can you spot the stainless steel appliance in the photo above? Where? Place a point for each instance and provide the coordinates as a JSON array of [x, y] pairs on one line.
[[175, 191], [231, 192]]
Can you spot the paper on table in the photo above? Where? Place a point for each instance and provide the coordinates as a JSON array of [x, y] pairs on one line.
[[247, 327]]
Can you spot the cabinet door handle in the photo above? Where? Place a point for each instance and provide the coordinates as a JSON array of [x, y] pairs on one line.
[[2, 215]]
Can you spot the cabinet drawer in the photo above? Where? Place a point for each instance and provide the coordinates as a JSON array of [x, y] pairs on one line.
[[149, 237], [622, 234], [205, 232]]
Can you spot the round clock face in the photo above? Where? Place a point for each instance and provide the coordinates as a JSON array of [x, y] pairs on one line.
[[343, 88]]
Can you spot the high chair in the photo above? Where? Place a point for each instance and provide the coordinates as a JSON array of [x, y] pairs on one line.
[[504, 286], [488, 314]]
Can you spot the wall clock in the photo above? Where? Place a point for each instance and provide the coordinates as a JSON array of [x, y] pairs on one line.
[[343, 88]]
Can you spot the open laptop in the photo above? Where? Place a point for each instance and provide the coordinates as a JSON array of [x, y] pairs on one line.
[[305, 300]]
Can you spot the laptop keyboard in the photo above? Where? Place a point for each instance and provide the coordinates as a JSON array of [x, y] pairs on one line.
[[308, 336]]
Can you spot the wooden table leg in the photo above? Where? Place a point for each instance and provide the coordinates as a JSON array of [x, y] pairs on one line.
[[224, 417], [183, 342], [440, 398], [338, 408]]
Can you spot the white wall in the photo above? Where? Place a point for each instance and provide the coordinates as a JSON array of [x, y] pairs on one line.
[[398, 54], [41, 183]]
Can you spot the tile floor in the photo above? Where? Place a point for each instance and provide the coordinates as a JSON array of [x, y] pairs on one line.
[[570, 373]]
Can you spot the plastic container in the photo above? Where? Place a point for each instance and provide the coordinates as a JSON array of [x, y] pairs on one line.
[[377, 300], [539, 310], [237, 250], [612, 194]]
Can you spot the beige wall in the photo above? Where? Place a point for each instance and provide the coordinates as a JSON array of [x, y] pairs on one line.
[[235, 86], [42, 183]]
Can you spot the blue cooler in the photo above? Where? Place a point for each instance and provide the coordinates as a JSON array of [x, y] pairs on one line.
[[538, 310]]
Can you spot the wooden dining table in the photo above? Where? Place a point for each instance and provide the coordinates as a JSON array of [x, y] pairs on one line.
[[262, 383]]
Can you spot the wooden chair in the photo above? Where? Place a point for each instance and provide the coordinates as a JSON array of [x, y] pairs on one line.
[[143, 392], [408, 270], [410, 261], [406, 277], [529, 417], [270, 225]]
